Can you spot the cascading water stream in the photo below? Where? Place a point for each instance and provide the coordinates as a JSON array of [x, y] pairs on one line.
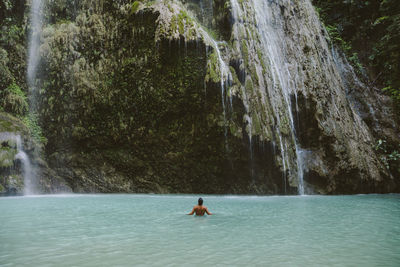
[[273, 43], [237, 15], [279, 83], [27, 171], [225, 77], [36, 19], [36, 22]]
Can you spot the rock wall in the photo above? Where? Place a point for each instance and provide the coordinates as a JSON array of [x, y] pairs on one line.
[[218, 96], [131, 102], [22, 171], [308, 100]]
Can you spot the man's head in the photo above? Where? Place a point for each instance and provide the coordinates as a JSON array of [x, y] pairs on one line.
[[200, 201]]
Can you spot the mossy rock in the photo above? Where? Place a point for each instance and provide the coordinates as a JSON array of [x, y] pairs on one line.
[[135, 7], [7, 156], [9, 123]]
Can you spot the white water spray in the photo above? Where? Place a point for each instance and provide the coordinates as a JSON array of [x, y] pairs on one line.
[[36, 19], [225, 77], [278, 83], [27, 171], [36, 22], [271, 32]]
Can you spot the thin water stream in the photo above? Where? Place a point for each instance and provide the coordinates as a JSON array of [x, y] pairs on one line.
[[15, 142]]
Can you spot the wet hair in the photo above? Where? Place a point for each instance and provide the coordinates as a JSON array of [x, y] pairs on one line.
[[200, 201]]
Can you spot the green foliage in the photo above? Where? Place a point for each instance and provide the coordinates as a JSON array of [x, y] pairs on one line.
[[213, 69], [143, 100], [12, 35], [173, 24], [31, 121], [14, 100], [12, 47], [389, 155], [5, 74], [212, 33], [346, 46], [221, 19], [369, 32], [182, 18], [63, 21], [393, 91], [135, 7]]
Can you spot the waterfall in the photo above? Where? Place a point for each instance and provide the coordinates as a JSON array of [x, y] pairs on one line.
[[225, 77], [36, 19], [27, 170], [271, 31], [276, 85], [237, 17]]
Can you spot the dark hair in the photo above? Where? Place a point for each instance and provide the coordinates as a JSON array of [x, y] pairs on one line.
[[200, 201]]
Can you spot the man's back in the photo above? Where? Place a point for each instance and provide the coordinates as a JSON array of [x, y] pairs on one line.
[[200, 210]]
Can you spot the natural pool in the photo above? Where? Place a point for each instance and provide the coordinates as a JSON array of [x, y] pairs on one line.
[[127, 230]]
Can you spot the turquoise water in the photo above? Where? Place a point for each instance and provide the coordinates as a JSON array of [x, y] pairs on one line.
[[127, 230]]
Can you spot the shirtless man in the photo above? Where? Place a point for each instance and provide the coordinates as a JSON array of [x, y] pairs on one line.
[[200, 209]]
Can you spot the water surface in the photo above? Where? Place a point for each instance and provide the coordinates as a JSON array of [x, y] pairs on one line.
[[126, 230]]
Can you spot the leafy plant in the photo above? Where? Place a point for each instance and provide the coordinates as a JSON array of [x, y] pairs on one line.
[[135, 7], [369, 33], [14, 100], [390, 156], [31, 121]]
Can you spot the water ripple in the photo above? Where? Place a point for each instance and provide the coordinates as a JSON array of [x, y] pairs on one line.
[[125, 230]]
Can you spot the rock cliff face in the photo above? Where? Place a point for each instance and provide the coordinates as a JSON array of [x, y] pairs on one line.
[[205, 96], [21, 167], [131, 102], [307, 99]]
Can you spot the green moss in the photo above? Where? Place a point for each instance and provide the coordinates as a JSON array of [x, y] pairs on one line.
[[257, 128], [249, 87], [150, 3], [6, 126], [16, 181], [174, 24], [245, 52], [284, 126], [211, 33], [7, 155], [181, 22], [235, 130], [15, 100], [31, 121], [234, 76], [170, 8], [213, 71], [63, 21], [261, 58], [184, 20], [135, 7], [9, 123], [253, 73]]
